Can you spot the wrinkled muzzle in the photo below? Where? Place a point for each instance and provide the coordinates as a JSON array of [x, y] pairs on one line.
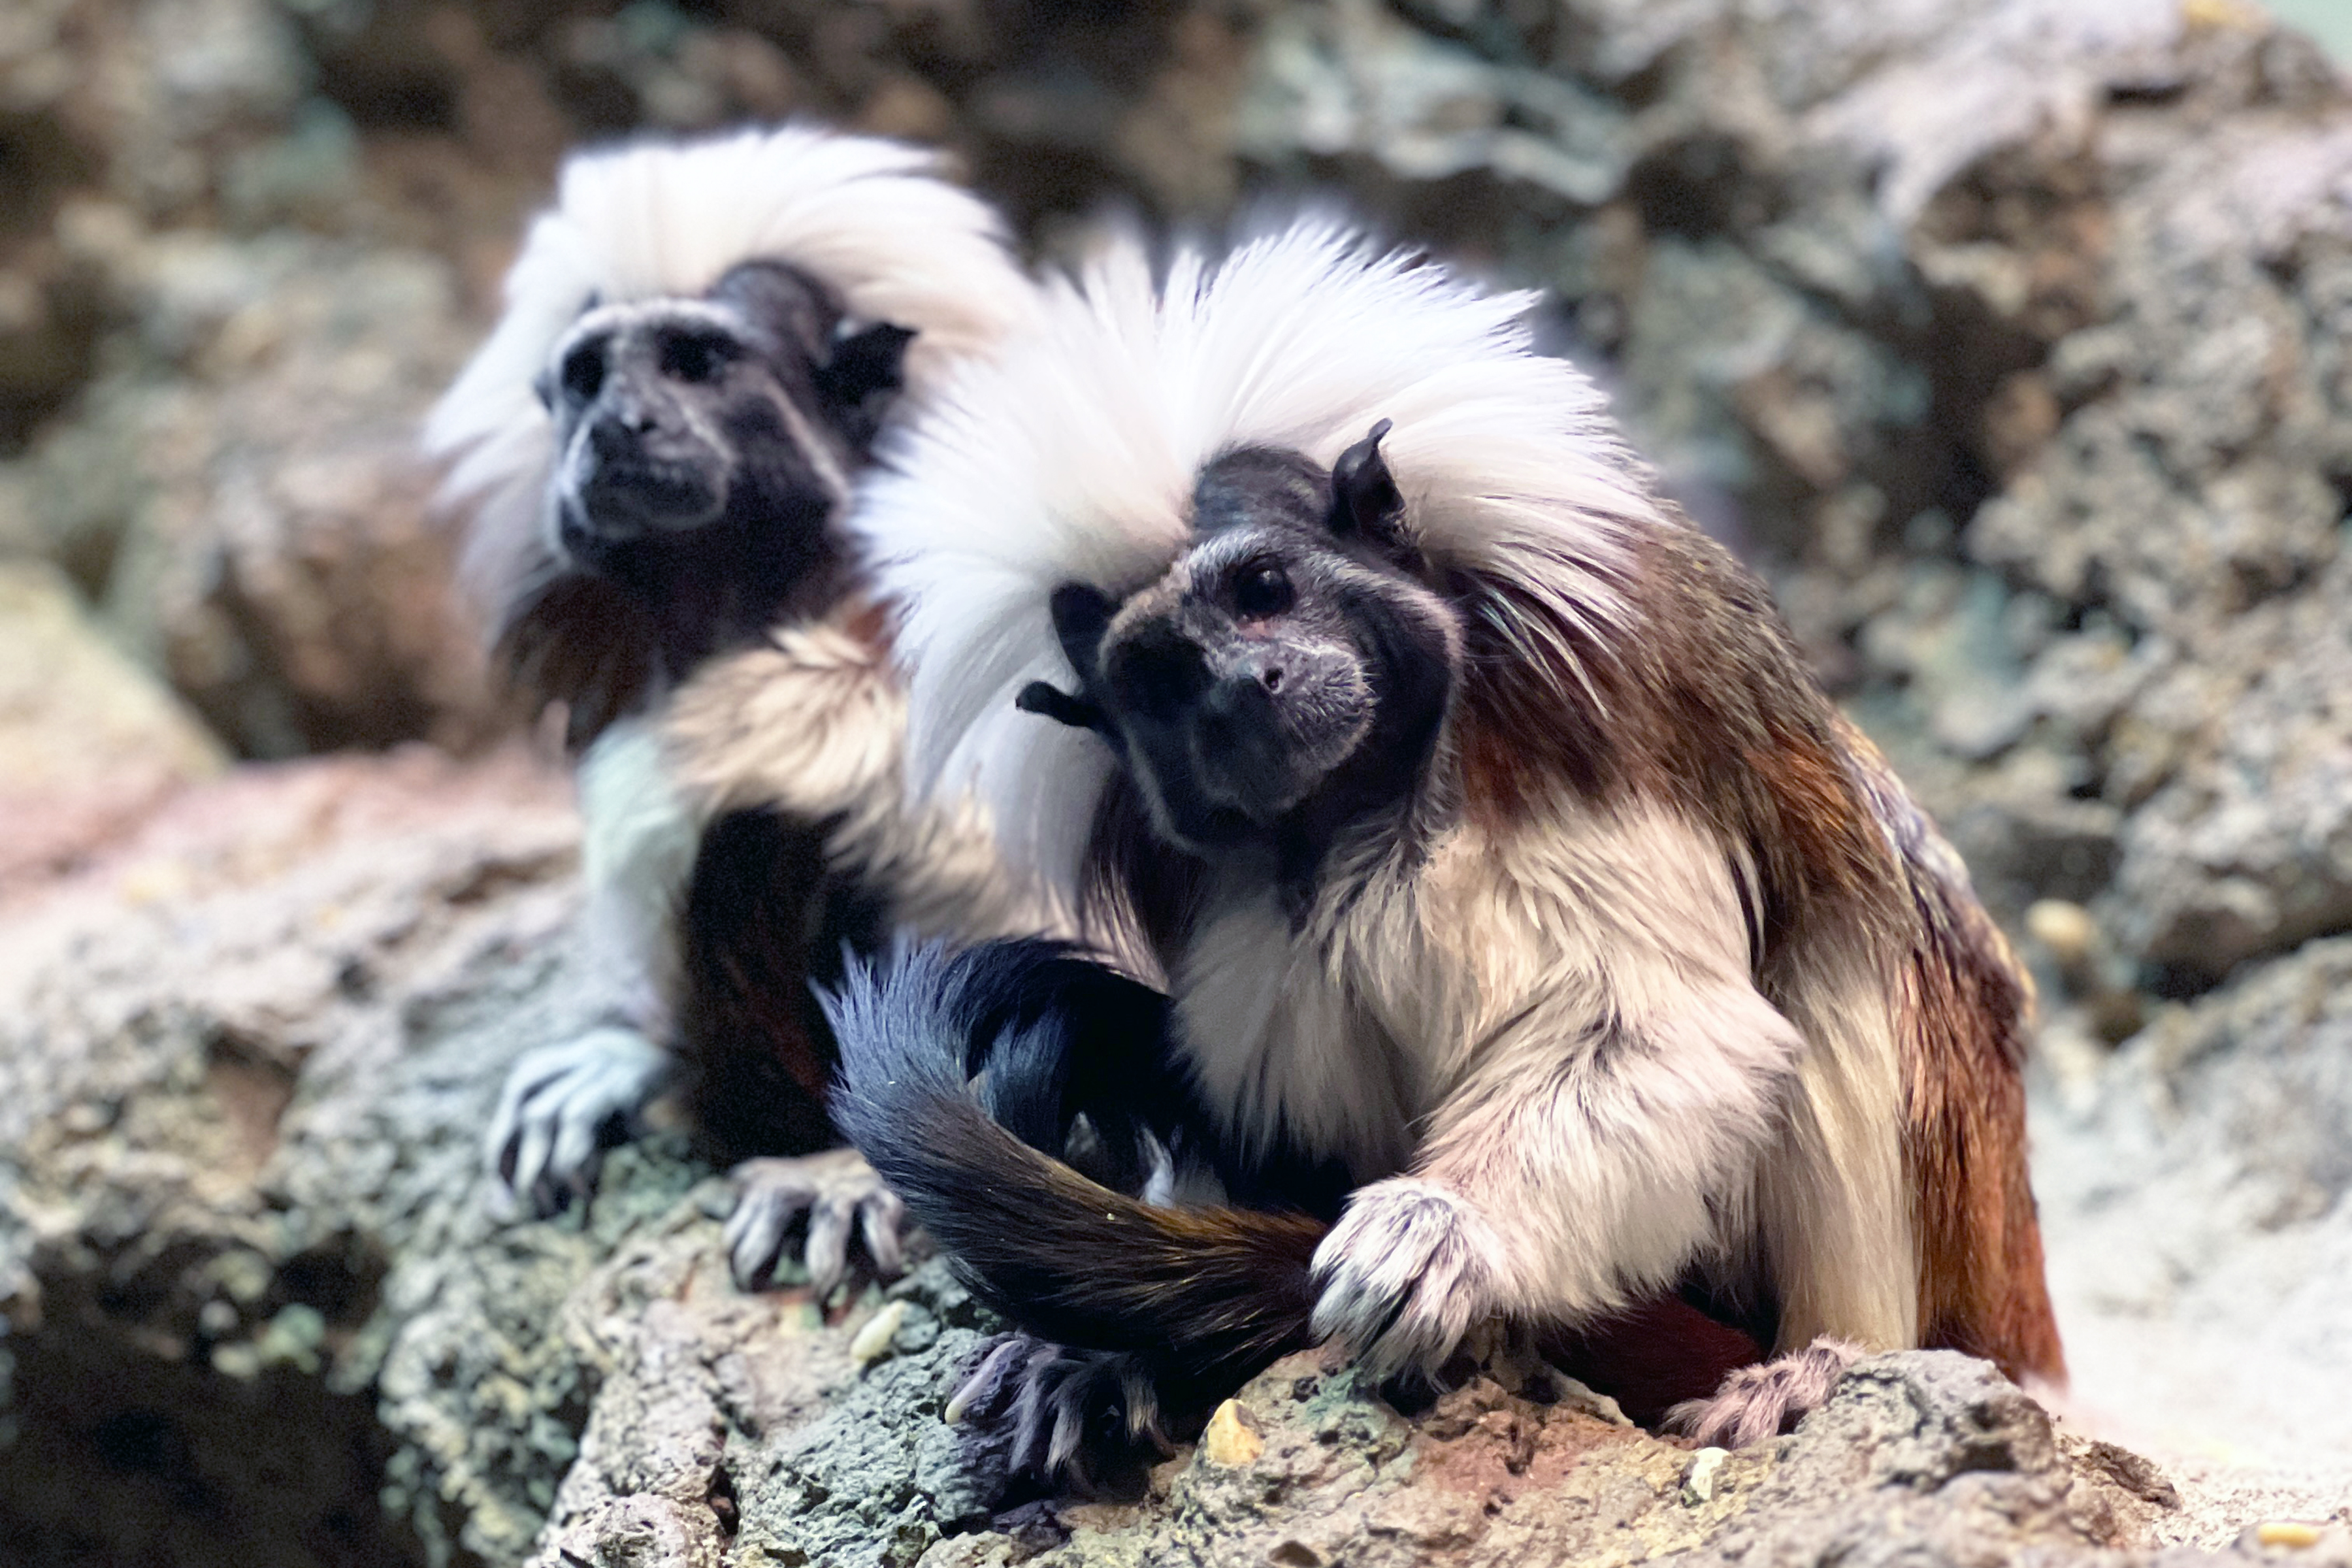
[[1234, 740], [626, 488]]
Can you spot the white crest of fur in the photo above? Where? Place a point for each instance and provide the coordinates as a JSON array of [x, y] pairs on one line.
[[1071, 454], [872, 219]]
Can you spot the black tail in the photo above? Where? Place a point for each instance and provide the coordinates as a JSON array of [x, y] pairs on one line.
[[951, 1061]]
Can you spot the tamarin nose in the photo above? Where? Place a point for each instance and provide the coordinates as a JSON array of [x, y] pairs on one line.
[[614, 437], [1235, 698]]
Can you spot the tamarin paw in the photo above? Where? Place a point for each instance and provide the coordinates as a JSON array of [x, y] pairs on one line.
[[561, 1108], [1767, 1399], [1400, 1279], [1071, 1411], [838, 1193]]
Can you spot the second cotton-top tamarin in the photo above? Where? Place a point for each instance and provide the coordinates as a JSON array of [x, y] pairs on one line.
[[700, 342]]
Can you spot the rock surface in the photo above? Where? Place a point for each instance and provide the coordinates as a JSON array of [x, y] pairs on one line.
[[252, 1291], [2198, 1233], [242, 1195], [208, 1038], [257, 497]]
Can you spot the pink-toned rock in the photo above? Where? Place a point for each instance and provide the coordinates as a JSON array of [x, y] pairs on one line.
[[88, 741]]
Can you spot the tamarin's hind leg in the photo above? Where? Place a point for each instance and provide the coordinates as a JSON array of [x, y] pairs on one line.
[[837, 1193], [1072, 1411], [1652, 1357], [1767, 1399], [764, 919]]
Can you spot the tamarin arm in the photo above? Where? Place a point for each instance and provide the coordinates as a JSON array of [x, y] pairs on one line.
[[1590, 1150]]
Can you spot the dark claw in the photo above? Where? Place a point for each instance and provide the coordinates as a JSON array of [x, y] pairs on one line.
[[754, 1238], [981, 1395], [880, 1222], [828, 1245]]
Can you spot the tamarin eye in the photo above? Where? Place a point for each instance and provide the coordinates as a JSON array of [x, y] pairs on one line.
[[1262, 591], [692, 357], [583, 373]]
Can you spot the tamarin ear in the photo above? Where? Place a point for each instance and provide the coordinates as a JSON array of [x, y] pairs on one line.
[[1365, 502], [1082, 614], [865, 360]]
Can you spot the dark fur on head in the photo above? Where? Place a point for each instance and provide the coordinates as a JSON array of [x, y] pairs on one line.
[[704, 446], [1286, 677]]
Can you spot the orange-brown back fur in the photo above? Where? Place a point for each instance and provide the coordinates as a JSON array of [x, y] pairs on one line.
[[1963, 1014]]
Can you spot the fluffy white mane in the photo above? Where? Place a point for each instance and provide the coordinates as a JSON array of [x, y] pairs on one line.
[[1071, 454], [874, 220]]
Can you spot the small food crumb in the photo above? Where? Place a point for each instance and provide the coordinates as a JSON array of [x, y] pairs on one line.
[[874, 1339], [1698, 1483], [1230, 1439], [2286, 1532]]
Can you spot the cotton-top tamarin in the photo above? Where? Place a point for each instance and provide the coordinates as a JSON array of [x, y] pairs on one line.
[[1325, 643], [700, 342]]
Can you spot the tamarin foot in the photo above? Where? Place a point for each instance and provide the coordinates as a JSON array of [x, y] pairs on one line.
[[1072, 1412], [836, 1191], [561, 1108], [1767, 1399]]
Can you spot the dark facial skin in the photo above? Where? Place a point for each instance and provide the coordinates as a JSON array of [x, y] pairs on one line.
[[706, 444], [1286, 677]]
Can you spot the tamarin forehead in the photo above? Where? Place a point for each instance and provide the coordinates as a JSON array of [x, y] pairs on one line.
[[766, 304], [781, 299], [1257, 485]]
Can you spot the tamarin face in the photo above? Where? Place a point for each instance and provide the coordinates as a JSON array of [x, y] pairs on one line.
[[1288, 674], [747, 407]]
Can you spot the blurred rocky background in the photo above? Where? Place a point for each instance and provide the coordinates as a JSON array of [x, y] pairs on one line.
[[2008, 337]]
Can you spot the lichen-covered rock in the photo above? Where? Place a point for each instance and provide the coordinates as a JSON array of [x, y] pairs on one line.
[[728, 1426], [248, 1271], [1919, 1459], [236, 1079], [249, 1274]]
